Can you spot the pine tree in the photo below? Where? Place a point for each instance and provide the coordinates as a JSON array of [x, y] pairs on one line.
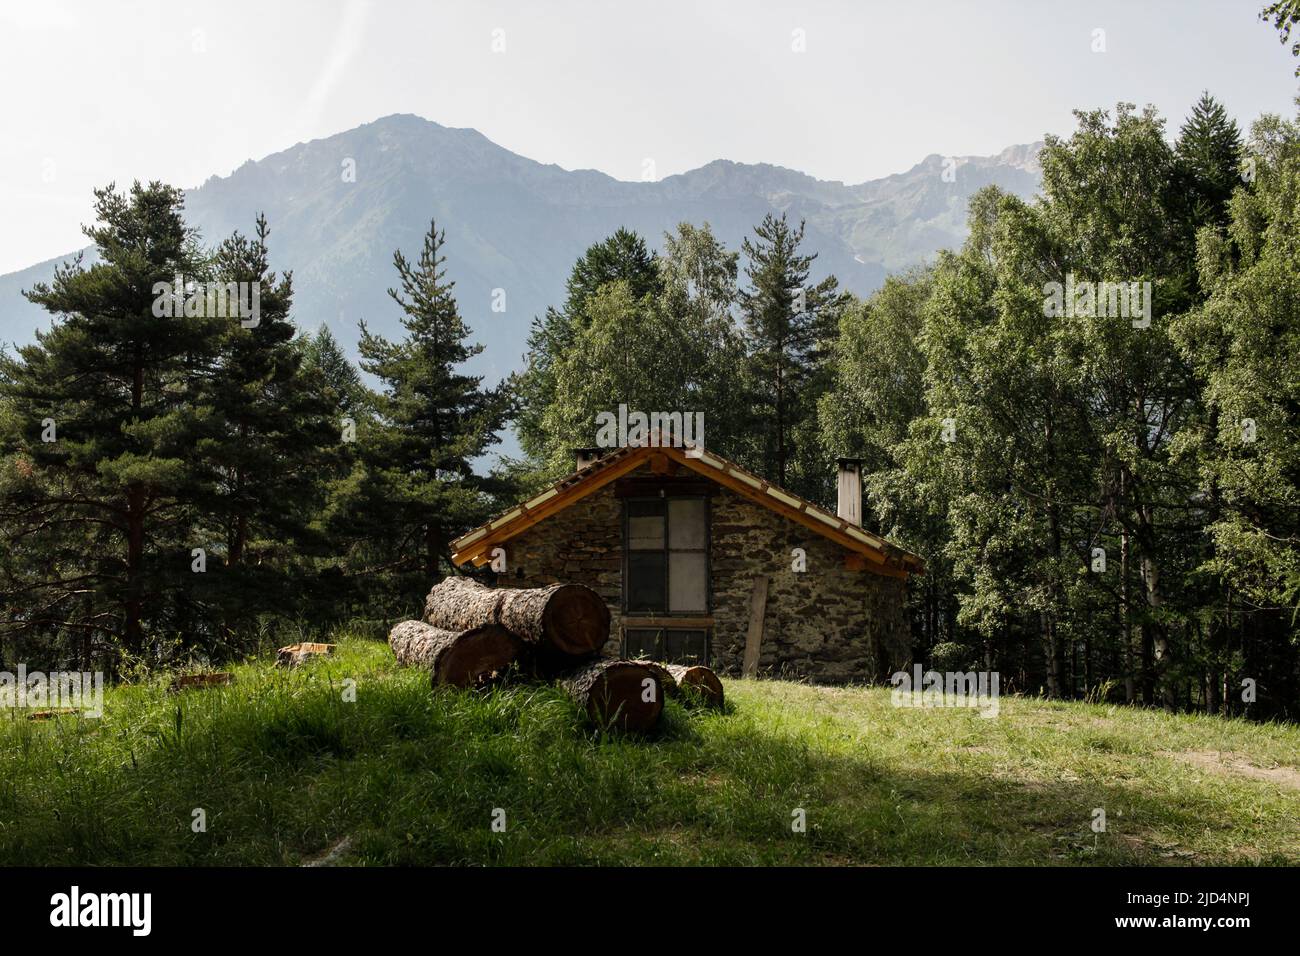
[[621, 256], [325, 359], [102, 426], [789, 326], [1209, 154], [270, 433], [419, 488]]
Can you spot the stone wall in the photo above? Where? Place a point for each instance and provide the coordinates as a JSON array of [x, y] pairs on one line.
[[827, 624]]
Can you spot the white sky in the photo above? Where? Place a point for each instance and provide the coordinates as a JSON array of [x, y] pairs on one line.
[[97, 91]]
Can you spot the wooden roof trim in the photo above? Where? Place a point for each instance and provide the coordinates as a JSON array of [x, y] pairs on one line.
[[808, 507], [794, 513], [884, 558], [542, 506]]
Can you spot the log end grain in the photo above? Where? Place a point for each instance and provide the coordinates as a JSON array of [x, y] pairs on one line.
[[623, 694], [477, 656], [468, 658], [698, 680], [575, 620]]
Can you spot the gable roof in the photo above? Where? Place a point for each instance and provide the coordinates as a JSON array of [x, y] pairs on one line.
[[880, 556]]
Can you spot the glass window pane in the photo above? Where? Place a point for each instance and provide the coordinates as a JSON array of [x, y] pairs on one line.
[[644, 644], [688, 581], [645, 581], [645, 533], [685, 647], [686, 522]]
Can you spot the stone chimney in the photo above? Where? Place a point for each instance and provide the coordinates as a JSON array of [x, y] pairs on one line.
[[584, 457], [849, 484]]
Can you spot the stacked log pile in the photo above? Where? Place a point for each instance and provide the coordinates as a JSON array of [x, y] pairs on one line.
[[471, 635]]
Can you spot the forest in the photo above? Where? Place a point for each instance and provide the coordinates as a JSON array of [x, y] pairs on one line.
[[1107, 499]]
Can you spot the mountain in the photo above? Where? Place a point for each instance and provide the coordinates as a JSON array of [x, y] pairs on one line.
[[518, 225]]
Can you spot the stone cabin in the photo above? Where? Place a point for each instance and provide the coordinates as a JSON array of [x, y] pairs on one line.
[[701, 561]]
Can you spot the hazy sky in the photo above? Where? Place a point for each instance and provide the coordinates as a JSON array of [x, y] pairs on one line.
[[97, 91]]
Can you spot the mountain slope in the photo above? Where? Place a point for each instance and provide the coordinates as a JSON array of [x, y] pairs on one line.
[[518, 225]]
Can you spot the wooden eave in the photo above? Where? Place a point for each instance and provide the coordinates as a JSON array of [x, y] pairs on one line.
[[881, 556]]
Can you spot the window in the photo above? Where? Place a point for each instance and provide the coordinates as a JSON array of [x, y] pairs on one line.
[[666, 555], [670, 645]]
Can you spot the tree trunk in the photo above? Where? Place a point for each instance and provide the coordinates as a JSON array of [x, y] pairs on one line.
[[1159, 633], [134, 631], [699, 680], [1126, 620], [1051, 654], [465, 658], [432, 550], [623, 693], [135, 503], [567, 618]]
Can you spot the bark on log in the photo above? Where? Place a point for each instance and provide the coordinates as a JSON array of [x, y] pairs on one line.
[[465, 658], [666, 678], [627, 694], [568, 618], [698, 679]]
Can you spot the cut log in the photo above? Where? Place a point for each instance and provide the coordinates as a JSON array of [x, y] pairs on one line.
[[568, 618], [199, 682], [666, 679], [297, 654], [698, 679], [51, 714], [626, 694], [465, 658]]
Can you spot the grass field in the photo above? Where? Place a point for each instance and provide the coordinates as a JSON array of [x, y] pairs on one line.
[[287, 771]]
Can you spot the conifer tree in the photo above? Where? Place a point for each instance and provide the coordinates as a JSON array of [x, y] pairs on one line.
[[788, 328], [270, 431], [100, 471], [1209, 154], [419, 488]]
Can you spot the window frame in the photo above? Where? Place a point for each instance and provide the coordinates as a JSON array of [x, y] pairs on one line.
[[661, 640], [667, 552]]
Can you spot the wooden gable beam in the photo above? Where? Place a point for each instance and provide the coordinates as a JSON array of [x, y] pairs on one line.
[[795, 514], [559, 502]]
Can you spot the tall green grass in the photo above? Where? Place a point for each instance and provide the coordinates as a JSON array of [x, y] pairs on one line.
[[285, 766]]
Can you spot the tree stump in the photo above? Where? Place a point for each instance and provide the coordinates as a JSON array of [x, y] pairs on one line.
[[568, 618], [466, 658], [626, 694]]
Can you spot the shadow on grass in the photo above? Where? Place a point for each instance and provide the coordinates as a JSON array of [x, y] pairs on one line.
[[283, 768]]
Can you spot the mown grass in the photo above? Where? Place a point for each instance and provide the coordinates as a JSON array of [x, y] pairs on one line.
[[286, 768]]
